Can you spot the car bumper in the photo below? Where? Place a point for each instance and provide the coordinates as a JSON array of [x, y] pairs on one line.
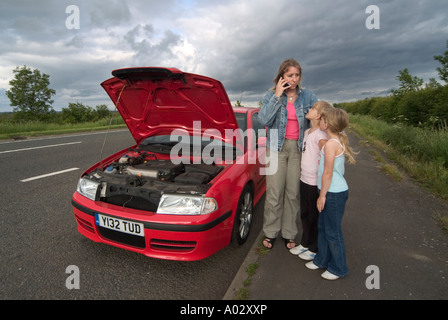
[[188, 241]]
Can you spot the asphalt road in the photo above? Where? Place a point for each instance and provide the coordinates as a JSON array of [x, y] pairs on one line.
[[39, 237], [395, 248]]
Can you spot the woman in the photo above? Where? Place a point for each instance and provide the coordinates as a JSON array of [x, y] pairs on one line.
[[283, 112]]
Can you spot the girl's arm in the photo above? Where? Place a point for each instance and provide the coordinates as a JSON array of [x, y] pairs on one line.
[[329, 156]]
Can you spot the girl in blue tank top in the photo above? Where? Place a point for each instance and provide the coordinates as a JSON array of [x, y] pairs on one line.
[[333, 194]]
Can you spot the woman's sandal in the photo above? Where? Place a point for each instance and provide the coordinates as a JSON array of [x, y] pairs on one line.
[[269, 241], [289, 241]]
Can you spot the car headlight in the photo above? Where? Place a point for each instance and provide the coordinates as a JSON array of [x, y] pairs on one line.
[[88, 188], [186, 205]]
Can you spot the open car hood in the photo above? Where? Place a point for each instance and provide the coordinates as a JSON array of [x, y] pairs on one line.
[[156, 101]]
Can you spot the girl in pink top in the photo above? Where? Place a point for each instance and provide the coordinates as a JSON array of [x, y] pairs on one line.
[[313, 141]]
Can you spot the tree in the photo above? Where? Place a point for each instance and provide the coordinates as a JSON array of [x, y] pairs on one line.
[[432, 84], [77, 113], [30, 95], [408, 83], [443, 71], [102, 111]]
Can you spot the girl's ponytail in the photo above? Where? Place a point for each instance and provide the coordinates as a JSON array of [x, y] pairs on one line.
[[350, 154], [337, 121]]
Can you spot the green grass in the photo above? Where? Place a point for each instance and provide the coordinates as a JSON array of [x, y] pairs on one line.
[[421, 153], [388, 168], [243, 292], [443, 221], [11, 130]]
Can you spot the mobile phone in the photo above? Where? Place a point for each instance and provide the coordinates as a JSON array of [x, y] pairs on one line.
[[286, 85]]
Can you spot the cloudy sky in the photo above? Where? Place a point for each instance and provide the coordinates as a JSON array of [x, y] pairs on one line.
[[239, 42]]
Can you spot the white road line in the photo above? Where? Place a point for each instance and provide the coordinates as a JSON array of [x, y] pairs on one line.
[[49, 174], [62, 136], [41, 147]]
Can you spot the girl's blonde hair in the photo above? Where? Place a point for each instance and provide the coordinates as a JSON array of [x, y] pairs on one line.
[[337, 121], [284, 66], [321, 106]]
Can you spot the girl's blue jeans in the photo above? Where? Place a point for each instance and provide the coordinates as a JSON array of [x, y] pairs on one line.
[[331, 247]]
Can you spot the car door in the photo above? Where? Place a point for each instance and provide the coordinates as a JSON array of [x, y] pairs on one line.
[[259, 148]]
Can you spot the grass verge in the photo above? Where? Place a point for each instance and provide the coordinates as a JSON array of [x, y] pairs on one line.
[[17, 131], [243, 292], [421, 153]]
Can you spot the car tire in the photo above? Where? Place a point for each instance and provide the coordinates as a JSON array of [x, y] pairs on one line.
[[243, 217]]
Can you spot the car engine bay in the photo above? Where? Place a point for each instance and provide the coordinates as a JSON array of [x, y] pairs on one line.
[[138, 180]]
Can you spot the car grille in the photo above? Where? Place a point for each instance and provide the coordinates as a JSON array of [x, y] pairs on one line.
[[85, 224], [172, 245], [139, 242], [123, 238], [134, 202]]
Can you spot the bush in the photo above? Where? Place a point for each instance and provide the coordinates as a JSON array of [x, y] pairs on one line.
[[423, 108], [79, 113]]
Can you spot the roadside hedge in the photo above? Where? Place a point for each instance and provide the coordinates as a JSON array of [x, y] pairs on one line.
[[426, 107]]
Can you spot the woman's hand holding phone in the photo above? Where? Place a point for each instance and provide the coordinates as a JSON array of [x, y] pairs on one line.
[[282, 85]]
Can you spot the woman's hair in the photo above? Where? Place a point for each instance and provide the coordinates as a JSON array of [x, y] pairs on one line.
[[337, 120], [284, 66]]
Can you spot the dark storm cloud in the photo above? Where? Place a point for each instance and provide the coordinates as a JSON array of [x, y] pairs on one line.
[[241, 43], [341, 58], [141, 39]]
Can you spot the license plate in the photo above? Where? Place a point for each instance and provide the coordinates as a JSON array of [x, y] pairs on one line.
[[126, 226]]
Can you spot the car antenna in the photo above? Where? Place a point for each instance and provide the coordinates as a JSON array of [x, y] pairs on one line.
[[108, 128]]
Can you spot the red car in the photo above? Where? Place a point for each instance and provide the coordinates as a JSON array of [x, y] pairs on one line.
[[188, 186]]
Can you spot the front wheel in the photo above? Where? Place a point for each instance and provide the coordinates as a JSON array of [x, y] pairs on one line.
[[243, 217]]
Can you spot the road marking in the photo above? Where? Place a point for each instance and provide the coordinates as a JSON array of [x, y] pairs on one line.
[[41, 147], [62, 136], [49, 174]]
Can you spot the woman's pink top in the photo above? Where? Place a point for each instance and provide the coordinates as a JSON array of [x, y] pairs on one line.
[[292, 126]]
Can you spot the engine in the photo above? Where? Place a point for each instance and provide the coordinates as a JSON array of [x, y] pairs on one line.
[[138, 181]]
